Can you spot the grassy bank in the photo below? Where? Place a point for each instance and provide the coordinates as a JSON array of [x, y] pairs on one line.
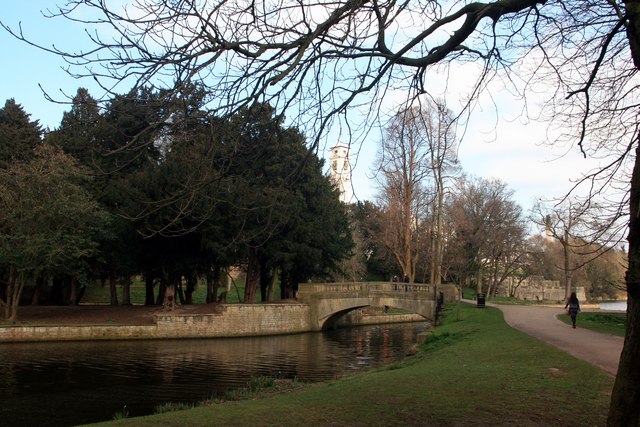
[[603, 322], [476, 371]]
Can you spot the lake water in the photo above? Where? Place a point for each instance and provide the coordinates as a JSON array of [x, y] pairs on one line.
[[613, 306], [64, 384]]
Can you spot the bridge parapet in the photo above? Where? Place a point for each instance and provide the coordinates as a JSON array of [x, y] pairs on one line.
[[365, 288]]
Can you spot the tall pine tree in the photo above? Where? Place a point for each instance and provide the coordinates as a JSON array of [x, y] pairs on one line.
[[18, 134]]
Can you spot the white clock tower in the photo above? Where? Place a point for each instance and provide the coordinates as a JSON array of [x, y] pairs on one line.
[[340, 171]]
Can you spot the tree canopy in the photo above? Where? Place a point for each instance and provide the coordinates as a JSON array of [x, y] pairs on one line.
[[50, 224], [174, 193], [18, 134]]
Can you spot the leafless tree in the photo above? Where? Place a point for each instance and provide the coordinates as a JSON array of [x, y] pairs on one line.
[[507, 252], [578, 232], [416, 162], [440, 133], [561, 224], [489, 232], [323, 60], [403, 161]]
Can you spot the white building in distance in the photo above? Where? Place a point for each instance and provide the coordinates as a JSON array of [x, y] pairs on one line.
[[340, 171]]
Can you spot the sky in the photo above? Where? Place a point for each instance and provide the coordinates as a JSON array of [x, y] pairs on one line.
[[502, 146]]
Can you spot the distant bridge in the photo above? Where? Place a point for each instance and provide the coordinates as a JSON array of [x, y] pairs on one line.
[[330, 301]]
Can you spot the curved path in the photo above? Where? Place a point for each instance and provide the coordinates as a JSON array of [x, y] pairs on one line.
[[601, 350]]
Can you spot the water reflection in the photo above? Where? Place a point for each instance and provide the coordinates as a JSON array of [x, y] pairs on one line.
[[62, 384]]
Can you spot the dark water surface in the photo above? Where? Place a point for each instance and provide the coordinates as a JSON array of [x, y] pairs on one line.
[[65, 384]]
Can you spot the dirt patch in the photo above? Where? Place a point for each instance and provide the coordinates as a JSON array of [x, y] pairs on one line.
[[102, 314]]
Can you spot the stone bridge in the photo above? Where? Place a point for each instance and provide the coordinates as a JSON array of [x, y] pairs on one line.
[[329, 301]]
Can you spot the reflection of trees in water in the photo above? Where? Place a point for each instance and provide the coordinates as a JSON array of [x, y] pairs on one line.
[[100, 377], [375, 345]]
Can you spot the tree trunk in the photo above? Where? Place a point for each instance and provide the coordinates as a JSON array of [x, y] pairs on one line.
[[212, 294], [567, 272], [177, 283], [436, 243], [253, 273], [271, 291], [407, 270], [11, 283], [37, 292], [222, 281], [4, 279], [126, 291], [161, 290], [113, 290], [192, 281], [432, 248], [148, 288], [13, 296], [73, 291], [56, 296], [286, 285], [625, 398], [265, 279], [493, 283]]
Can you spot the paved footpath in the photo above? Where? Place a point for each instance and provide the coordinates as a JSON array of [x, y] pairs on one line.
[[601, 350]]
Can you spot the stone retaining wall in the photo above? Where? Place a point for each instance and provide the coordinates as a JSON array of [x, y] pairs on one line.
[[357, 318], [235, 320], [238, 320], [76, 333]]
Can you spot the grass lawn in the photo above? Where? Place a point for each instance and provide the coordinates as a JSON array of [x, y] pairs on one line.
[[606, 323], [474, 371], [96, 294]]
